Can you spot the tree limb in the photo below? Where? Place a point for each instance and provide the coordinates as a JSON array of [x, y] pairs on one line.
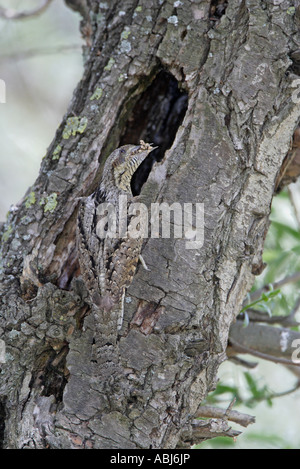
[[267, 342], [10, 14]]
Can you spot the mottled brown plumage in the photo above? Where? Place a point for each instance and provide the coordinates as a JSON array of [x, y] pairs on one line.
[[108, 264]]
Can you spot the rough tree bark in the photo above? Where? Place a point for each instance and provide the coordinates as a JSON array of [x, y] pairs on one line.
[[213, 84]]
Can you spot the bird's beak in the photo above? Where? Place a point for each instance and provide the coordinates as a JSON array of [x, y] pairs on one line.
[[140, 153], [144, 147]]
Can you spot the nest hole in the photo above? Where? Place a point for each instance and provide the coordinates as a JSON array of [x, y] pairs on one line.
[[155, 118]]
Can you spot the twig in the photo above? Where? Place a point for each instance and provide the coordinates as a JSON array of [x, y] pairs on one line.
[[270, 396], [40, 51], [243, 349], [10, 14], [289, 279], [209, 411], [205, 429], [240, 361], [212, 428], [229, 408], [286, 321], [285, 393]]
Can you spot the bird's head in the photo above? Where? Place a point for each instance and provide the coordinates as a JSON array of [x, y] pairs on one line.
[[121, 164]]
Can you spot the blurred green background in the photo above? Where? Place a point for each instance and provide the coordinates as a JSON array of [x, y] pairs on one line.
[[41, 63]]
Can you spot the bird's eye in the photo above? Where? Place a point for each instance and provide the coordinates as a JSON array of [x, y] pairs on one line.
[[122, 150]]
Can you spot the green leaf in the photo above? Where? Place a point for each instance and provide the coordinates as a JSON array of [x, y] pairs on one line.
[[285, 229], [265, 297]]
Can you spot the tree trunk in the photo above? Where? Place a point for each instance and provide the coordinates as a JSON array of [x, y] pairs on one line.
[[213, 84]]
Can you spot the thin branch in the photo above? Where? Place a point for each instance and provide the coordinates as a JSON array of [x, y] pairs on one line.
[[289, 279], [27, 54], [239, 361], [212, 428], [211, 422], [285, 393], [273, 395], [243, 349], [286, 320], [205, 429], [209, 411], [10, 14]]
